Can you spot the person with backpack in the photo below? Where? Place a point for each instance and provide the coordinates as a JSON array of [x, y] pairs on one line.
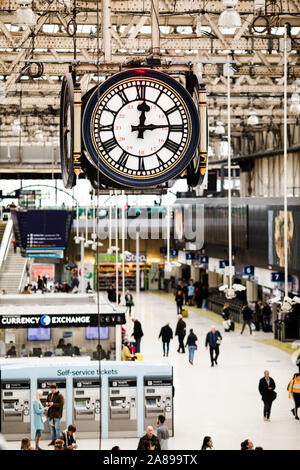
[[247, 317], [191, 343], [180, 332]]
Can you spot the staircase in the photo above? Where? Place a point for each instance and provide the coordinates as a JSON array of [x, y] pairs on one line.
[[2, 228], [11, 271]]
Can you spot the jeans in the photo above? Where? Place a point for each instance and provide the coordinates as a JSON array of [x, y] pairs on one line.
[[267, 324], [246, 322], [55, 430], [204, 303], [267, 409], [166, 346], [211, 351], [179, 309], [138, 345], [192, 350]]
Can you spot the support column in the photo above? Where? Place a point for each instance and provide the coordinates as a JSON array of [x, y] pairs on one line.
[[106, 30], [155, 35], [137, 254], [251, 291], [82, 264], [213, 280]]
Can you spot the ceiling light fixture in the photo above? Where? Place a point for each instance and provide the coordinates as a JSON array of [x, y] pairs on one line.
[[253, 118], [24, 15], [220, 129], [229, 18]]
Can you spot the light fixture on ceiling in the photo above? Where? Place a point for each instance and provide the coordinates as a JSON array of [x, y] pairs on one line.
[[220, 129], [39, 135], [252, 118], [24, 15], [229, 18]]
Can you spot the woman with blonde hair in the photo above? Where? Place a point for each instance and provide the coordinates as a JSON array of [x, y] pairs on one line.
[[39, 417]]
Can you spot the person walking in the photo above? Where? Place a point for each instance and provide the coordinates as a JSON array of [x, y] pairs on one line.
[[137, 334], [226, 317], [191, 292], [162, 432], [179, 299], [14, 243], [266, 314], [266, 388], [191, 343], [39, 417], [55, 404], [180, 332], [166, 334], [247, 317], [198, 294], [129, 301], [149, 438], [207, 443], [205, 295], [294, 391], [213, 339], [258, 320], [40, 283]]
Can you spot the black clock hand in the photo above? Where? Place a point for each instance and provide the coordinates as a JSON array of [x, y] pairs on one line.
[[143, 107], [149, 127]]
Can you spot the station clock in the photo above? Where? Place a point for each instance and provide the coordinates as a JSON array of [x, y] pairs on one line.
[[140, 128]]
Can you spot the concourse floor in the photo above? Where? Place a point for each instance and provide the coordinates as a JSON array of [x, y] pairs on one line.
[[222, 401]]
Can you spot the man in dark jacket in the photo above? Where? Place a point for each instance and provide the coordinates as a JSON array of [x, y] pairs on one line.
[[55, 403], [247, 317], [266, 314], [137, 334], [213, 339], [166, 334], [149, 441], [266, 388], [180, 332]]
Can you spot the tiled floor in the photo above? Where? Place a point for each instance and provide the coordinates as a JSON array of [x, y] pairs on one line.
[[223, 401]]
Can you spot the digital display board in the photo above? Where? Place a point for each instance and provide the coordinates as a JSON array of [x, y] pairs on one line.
[[38, 334], [92, 332]]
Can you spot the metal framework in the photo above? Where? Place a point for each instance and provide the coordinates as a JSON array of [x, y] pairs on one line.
[[182, 34]]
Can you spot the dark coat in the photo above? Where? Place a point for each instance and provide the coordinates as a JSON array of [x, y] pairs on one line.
[[137, 330], [166, 334], [180, 328], [179, 299], [128, 299], [56, 410], [191, 340], [209, 339], [247, 314], [266, 311], [144, 441], [226, 313], [266, 394]]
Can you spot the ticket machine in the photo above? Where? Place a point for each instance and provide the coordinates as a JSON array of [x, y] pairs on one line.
[[43, 385], [87, 407], [122, 407], [15, 408], [158, 396]]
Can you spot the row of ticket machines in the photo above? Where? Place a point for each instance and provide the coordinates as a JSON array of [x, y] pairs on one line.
[[16, 409]]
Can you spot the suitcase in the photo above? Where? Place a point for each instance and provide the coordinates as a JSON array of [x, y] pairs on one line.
[[139, 356], [185, 312], [232, 325]]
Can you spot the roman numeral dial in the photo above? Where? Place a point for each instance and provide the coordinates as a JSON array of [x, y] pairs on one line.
[[142, 127]]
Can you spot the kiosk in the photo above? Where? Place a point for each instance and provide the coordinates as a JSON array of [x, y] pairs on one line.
[[122, 407], [87, 411], [158, 396], [15, 408]]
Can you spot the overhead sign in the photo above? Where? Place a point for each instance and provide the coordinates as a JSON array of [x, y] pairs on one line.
[[42, 229], [279, 277], [130, 258], [204, 259], [61, 320], [248, 270], [223, 264], [45, 254], [192, 256]]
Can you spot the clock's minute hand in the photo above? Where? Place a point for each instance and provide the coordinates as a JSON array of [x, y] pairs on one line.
[[149, 127], [144, 108]]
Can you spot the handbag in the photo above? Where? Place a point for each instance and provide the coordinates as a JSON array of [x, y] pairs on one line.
[[44, 418], [219, 341]]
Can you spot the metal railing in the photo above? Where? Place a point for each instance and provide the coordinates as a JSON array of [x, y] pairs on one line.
[[6, 241]]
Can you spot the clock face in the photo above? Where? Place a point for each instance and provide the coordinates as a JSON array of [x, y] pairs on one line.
[[140, 128]]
